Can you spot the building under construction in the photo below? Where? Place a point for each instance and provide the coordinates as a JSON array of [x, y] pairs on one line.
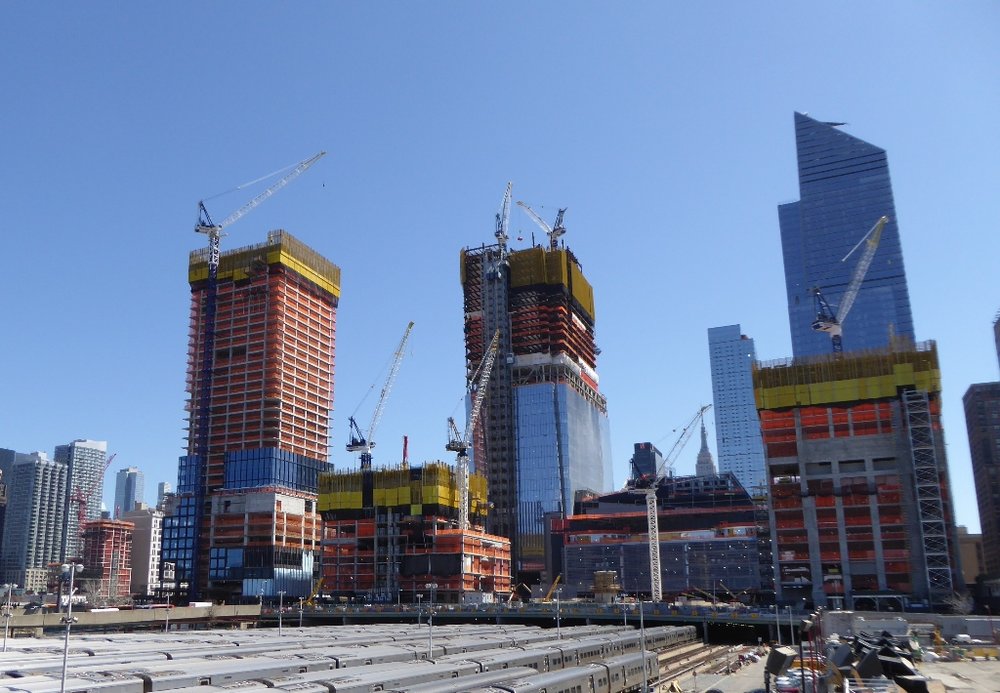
[[260, 383], [707, 540], [392, 534], [861, 512], [107, 558], [543, 435]]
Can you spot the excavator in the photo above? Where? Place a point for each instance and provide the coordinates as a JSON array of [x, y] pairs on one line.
[[552, 589]]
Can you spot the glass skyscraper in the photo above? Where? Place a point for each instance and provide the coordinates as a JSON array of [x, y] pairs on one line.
[[543, 435], [737, 427], [129, 489], [844, 188]]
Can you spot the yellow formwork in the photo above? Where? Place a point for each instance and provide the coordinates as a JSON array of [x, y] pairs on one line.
[[281, 248], [412, 488], [869, 375]]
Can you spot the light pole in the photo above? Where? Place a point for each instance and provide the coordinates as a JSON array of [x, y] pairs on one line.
[[430, 620], [301, 607], [281, 605], [71, 569], [558, 625], [166, 619], [791, 625], [624, 612], [642, 640], [420, 598], [7, 614], [432, 586], [777, 623]]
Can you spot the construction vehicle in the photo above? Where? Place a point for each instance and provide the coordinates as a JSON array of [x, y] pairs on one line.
[[552, 588], [459, 442], [311, 599], [833, 322], [362, 442], [214, 231], [553, 232]]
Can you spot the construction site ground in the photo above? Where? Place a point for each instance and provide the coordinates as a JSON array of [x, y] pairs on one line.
[[979, 676]]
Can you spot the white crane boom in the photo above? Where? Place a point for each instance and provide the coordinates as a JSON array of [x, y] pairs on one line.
[[847, 300], [364, 443], [459, 443], [553, 232], [678, 446], [833, 323]]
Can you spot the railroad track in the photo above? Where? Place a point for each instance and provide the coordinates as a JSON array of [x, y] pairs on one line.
[[681, 661]]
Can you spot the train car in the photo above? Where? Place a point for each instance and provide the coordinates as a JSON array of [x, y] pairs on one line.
[[587, 679], [213, 673], [626, 672], [469, 682], [75, 684], [376, 676]]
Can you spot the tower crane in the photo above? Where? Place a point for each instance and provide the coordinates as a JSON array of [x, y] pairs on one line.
[[830, 322], [458, 442], [214, 231], [648, 486], [364, 443], [503, 217], [553, 232]]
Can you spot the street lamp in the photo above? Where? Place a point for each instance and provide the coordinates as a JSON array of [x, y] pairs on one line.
[[777, 623], [558, 625], [301, 607], [70, 569], [642, 641], [419, 612], [791, 625], [432, 586], [166, 618], [281, 606], [7, 614]]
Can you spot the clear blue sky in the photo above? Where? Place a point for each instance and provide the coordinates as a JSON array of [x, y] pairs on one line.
[[665, 128]]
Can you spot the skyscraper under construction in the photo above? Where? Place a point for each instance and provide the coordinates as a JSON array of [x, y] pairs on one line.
[[244, 520], [543, 434]]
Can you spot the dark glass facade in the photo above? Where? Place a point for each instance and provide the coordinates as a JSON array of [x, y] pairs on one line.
[[272, 467], [562, 448], [844, 188]]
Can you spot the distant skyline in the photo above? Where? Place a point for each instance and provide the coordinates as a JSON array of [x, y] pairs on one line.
[[666, 130]]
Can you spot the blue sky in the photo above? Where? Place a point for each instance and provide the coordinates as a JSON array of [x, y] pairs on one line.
[[665, 128]]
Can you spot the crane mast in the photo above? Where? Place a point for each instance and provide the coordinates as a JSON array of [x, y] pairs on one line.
[[364, 443], [830, 322], [459, 442], [652, 512]]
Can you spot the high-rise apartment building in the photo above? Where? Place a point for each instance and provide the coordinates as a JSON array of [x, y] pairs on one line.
[[844, 188], [982, 420], [737, 426], [85, 465], [147, 537], [129, 490], [244, 520], [861, 510], [33, 529], [543, 433]]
